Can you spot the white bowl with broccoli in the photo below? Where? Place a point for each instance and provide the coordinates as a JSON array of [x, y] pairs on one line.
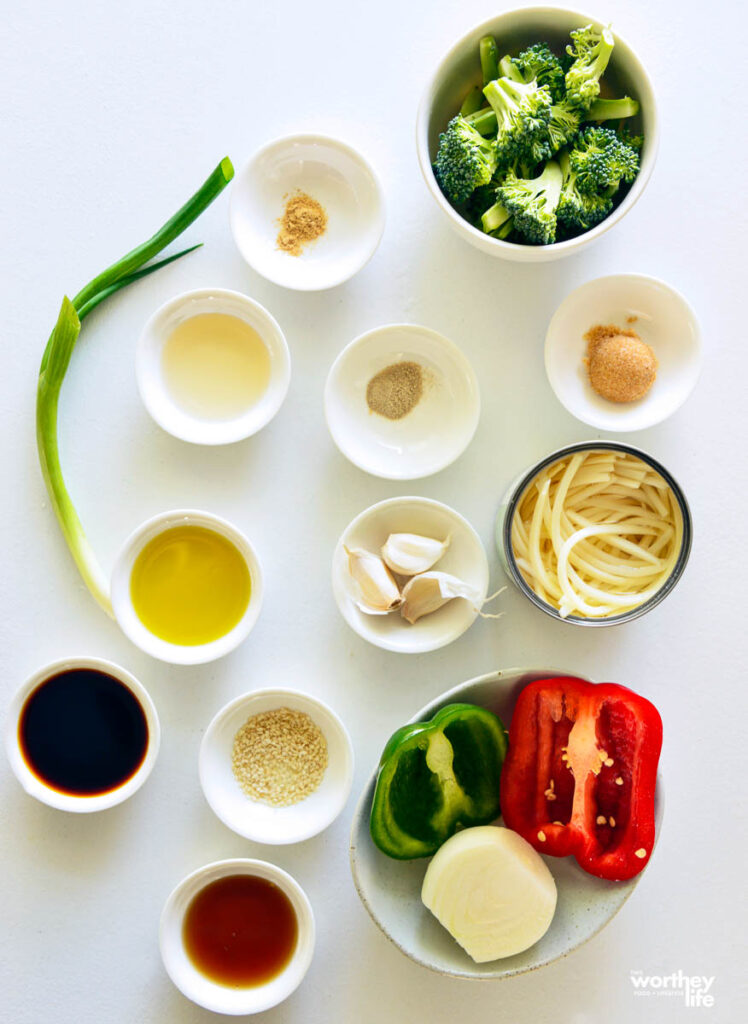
[[537, 132]]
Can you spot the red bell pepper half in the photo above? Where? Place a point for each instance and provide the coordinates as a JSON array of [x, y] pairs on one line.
[[579, 777]]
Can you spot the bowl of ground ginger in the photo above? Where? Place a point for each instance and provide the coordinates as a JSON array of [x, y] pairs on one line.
[[402, 402], [307, 212], [622, 353]]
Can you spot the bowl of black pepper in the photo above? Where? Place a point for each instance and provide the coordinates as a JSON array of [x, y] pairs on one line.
[[402, 402]]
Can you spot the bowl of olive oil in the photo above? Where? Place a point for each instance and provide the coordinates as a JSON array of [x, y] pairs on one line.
[[187, 587], [212, 366]]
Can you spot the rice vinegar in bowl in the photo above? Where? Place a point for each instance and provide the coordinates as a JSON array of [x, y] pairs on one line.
[[212, 366], [187, 587]]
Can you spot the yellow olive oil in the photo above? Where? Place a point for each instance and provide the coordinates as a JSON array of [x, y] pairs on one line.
[[190, 585], [215, 366]]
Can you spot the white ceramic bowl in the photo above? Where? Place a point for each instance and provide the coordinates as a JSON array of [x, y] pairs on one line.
[[153, 386], [391, 889], [33, 785], [335, 175], [259, 821], [430, 437], [222, 998], [664, 320], [126, 616], [460, 70], [465, 558]]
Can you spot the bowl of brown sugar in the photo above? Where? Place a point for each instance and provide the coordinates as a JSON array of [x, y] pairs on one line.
[[402, 401], [623, 352], [276, 766]]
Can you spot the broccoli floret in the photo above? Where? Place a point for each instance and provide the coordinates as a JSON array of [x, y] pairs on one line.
[[563, 124], [591, 52], [613, 110], [522, 110], [601, 160], [532, 203], [579, 211], [464, 160], [539, 62]]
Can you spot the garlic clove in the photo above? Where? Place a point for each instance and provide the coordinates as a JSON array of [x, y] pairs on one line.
[[372, 587], [410, 553], [426, 593]]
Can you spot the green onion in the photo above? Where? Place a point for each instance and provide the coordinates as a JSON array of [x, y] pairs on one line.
[[56, 360]]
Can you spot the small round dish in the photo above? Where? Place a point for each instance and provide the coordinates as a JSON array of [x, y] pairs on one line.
[[37, 787], [130, 623], [659, 315], [459, 70], [153, 386], [210, 994], [260, 821], [390, 890], [514, 495], [433, 434], [465, 558], [336, 176]]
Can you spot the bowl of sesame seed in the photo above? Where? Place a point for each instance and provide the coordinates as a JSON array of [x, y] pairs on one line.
[[276, 766]]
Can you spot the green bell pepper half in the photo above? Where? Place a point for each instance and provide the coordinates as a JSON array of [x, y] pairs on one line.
[[435, 777]]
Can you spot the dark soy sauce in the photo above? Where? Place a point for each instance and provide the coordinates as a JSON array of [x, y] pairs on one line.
[[83, 732], [240, 931]]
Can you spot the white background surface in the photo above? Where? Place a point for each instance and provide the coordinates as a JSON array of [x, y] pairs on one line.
[[113, 114]]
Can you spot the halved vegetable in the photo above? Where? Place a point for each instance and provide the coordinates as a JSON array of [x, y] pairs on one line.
[[491, 891]]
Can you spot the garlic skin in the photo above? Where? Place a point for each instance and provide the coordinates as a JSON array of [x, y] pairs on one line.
[[372, 587], [427, 593], [410, 553]]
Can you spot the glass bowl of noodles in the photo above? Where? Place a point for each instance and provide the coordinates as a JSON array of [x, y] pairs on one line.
[[597, 533]]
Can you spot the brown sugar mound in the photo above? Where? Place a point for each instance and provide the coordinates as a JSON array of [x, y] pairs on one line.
[[621, 367]]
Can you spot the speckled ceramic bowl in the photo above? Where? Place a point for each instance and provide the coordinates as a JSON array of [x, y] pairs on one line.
[[391, 889]]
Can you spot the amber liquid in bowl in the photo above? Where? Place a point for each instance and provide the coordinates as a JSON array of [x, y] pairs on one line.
[[240, 931]]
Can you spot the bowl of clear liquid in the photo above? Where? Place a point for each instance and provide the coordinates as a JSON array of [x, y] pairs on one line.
[[212, 366]]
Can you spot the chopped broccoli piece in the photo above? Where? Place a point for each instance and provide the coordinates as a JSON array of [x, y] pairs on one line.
[[494, 217], [472, 102], [600, 160], [539, 62], [563, 124], [464, 160], [591, 52], [522, 110], [579, 211], [508, 69], [613, 110], [489, 59], [532, 203]]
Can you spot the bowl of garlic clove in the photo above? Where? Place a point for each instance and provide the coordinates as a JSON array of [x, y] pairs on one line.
[[410, 575]]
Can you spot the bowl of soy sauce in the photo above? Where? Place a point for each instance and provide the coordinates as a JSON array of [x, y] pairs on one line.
[[82, 735]]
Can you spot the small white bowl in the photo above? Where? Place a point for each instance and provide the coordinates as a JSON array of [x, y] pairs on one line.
[[254, 819], [459, 70], [664, 320], [33, 785], [465, 558], [126, 616], [153, 386], [434, 434], [223, 998], [336, 176]]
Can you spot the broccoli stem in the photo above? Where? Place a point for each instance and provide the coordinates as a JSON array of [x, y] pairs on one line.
[[489, 59], [508, 69], [472, 102], [494, 217], [484, 121], [613, 110]]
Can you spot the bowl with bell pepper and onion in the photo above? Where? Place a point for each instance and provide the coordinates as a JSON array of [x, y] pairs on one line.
[[509, 821]]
